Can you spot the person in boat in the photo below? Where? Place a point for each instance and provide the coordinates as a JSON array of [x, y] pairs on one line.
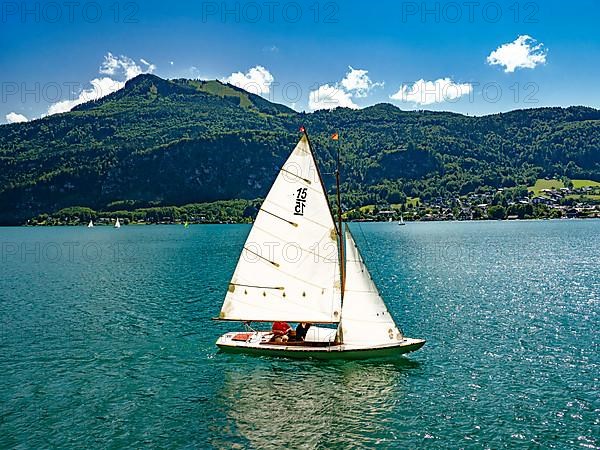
[[281, 331], [301, 331]]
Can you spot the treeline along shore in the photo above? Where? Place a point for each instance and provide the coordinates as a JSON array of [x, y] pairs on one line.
[[170, 150]]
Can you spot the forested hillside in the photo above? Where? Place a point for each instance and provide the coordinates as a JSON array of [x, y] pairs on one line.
[[172, 142]]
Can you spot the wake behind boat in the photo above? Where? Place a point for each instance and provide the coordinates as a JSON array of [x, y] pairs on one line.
[[297, 265]]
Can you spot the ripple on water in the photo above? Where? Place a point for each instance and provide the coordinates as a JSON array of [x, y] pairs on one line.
[[119, 351]]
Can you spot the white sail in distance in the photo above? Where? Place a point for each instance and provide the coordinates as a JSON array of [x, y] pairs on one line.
[[366, 320], [289, 266]]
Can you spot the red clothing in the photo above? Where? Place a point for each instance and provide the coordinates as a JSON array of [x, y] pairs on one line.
[[281, 328]]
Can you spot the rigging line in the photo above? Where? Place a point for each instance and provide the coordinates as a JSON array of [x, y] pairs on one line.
[[314, 160], [371, 251], [376, 270], [294, 224], [248, 325]]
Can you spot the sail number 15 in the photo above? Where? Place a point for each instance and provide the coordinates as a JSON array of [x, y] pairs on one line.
[[300, 202]]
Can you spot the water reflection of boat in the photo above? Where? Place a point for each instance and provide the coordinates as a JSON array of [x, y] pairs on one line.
[[306, 404]]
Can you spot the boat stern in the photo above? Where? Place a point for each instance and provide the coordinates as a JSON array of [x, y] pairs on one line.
[[242, 338]]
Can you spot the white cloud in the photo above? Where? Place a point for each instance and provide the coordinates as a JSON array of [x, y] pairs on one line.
[[120, 69], [149, 66], [329, 97], [257, 80], [14, 117], [358, 82], [523, 52], [427, 92], [101, 87], [124, 66]]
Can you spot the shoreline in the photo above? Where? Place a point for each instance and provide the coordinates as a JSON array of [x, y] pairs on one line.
[[179, 224]]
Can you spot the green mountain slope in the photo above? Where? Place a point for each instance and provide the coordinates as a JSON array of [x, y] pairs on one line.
[[172, 142]]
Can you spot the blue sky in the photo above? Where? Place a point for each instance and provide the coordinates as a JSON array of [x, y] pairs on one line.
[[468, 57]]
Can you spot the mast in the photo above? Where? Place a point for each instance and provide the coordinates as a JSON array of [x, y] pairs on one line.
[[340, 231], [339, 207]]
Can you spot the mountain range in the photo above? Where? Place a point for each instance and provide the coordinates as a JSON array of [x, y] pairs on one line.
[[163, 142]]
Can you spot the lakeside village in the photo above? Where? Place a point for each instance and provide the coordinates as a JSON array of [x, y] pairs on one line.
[[547, 203], [548, 199]]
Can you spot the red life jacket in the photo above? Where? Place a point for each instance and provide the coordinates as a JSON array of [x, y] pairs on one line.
[[280, 328]]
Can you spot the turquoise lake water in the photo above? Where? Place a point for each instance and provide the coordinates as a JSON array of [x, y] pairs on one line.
[[106, 341]]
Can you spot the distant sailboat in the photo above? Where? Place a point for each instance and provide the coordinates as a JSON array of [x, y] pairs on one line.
[[401, 222], [91, 224], [297, 265], [117, 223]]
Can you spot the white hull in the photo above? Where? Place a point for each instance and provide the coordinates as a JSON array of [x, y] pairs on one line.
[[258, 343]]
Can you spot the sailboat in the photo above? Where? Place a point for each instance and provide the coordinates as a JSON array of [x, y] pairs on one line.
[[297, 265], [401, 222], [117, 223], [91, 224]]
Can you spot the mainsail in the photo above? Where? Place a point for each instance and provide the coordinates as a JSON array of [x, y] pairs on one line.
[[289, 266], [365, 318]]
